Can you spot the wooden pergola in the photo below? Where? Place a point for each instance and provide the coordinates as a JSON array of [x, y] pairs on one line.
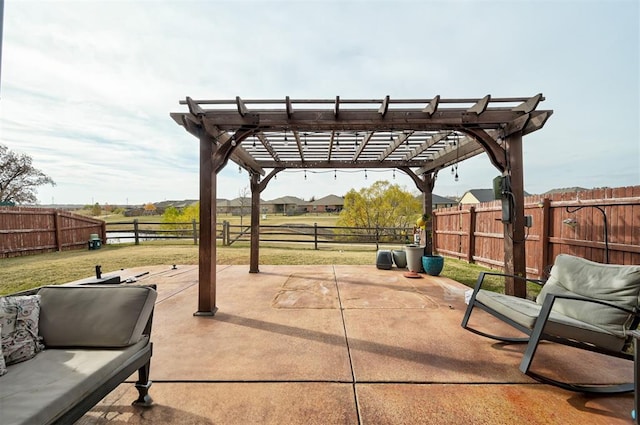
[[416, 136]]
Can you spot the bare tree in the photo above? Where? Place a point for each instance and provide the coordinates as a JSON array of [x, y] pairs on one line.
[[244, 200], [19, 179]]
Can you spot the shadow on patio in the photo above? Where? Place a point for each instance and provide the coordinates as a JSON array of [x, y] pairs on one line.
[[346, 345]]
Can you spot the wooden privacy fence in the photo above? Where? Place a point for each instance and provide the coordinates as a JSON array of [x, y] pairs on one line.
[[593, 224], [25, 231]]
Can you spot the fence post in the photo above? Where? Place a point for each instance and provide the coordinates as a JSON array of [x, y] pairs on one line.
[[471, 250], [103, 229], [195, 231], [315, 235], [544, 237], [434, 232], [58, 230], [135, 231], [225, 233]]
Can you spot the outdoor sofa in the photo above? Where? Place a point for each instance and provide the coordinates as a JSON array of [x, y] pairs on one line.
[[64, 348]]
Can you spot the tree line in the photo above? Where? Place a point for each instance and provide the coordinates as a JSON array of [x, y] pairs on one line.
[[383, 205]]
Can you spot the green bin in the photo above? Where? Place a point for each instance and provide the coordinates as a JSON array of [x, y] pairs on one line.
[[94, 241]]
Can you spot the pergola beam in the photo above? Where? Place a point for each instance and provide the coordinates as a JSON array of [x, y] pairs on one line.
[[480, 105], [529, 104], [419, 101], [423, 147], [398, 141], [362, 120], [384, 107], [432, 107], [330, 164]]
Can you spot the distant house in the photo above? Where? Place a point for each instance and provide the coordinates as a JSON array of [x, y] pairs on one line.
[[477, 196], [222, 206], [163, 205], [240, 206], [285, 205], [442, 202], [327, 204], [565, 190], [438, 201]]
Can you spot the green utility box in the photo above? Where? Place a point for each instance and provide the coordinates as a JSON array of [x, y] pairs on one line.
[[94, 241]]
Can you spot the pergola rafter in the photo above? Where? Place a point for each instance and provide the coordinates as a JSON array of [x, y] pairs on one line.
[[417, 136]]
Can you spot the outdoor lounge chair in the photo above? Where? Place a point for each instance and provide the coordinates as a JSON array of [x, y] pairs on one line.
[[583, 304]]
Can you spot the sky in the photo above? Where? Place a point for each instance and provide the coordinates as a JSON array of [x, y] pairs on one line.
[[86, 87]]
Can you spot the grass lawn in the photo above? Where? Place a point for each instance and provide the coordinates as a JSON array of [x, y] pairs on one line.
[[20, 273]]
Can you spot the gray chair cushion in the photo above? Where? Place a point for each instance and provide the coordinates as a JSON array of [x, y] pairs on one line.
[[94, 316], [616, 284], [525, 312], [39, 390]]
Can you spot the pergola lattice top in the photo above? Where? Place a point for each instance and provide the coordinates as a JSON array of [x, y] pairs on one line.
[[417, 136], [427, 134]]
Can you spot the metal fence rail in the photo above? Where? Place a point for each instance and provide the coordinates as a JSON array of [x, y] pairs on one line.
[[228, 234]]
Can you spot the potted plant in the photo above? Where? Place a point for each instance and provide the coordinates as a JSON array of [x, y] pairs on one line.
[[431, 264]]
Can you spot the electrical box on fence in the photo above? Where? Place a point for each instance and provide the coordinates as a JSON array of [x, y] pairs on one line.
[[528, 220]]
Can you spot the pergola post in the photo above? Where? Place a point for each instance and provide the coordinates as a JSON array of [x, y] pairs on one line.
[[427, 208], [257, 187], [514, 240], [207, 248], [255, 223]]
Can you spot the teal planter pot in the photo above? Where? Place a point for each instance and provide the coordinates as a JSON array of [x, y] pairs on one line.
[[432, 264]]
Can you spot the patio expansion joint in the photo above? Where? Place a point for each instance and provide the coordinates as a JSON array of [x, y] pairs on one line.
[[176, 292], [247, 381], [346, 340], [457, 383]]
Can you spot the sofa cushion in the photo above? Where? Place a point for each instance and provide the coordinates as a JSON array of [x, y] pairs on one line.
[[19, 321], [3, 367], [40, 390], [94, 316], [616, 284]]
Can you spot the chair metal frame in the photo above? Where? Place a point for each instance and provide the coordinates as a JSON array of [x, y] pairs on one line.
[[537, 334]]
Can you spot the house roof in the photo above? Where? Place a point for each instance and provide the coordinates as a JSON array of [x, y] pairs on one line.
[[240, 201], [565, 190], [441, 200], [485, 195], [482, 195], [329, 200], [286, 200]]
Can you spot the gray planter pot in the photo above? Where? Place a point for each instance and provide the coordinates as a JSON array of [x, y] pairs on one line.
[[399, 258]]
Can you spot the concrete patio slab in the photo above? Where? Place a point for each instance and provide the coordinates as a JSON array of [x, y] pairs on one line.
[[346, 345], [230, 403], [443, 404]]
